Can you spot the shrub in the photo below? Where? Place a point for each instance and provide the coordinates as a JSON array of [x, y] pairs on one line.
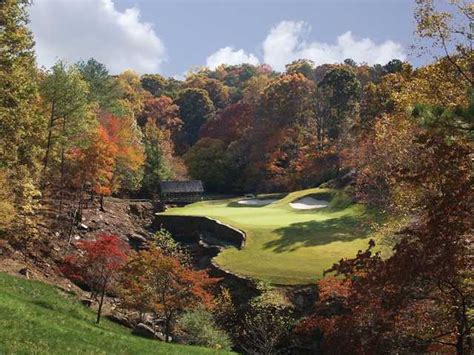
[[202, 330], [165, 242]]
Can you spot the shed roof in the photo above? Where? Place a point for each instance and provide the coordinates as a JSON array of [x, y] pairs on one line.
[[191, 186]]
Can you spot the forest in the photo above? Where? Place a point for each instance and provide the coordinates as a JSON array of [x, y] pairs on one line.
[[393, 138]]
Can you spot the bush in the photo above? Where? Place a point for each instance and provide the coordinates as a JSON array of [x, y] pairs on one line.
[[266, 323], [165, 242], [201, 329]]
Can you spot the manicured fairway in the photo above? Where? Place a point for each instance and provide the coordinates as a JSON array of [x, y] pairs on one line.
[[284, 245], [36, 318]]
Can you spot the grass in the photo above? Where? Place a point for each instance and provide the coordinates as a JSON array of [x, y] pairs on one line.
[[287, 246], [36, 318]]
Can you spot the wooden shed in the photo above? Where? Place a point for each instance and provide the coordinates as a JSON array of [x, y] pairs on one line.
[[181, 191]]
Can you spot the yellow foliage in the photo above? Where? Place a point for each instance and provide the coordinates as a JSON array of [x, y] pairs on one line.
[[7, 209], [437, 84]]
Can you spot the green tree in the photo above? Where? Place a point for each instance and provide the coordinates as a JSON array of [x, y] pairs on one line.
[[339, 95], [155, 84], [157, 167], [201, 329], [103, 88], [289, 101], [350, 62], [218, 92], [206, 161], [169, 246], [266, 324], [195, 109], [65, 92], [394, 66]]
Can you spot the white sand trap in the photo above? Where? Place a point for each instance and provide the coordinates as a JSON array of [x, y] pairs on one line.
[[308, 203], [256, 202]]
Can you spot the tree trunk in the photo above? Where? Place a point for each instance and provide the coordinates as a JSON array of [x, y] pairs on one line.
[[99, 311], [79, 210], [167, 328], [61, 184], [48, 145], [460, 345], [102, 203]]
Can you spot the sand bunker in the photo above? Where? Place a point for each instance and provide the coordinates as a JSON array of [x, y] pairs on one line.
[[308, 203], [256, 202]]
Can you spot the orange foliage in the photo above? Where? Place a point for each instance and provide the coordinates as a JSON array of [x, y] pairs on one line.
[[163, 111], [161, 284], [126, 136], [95, 164]]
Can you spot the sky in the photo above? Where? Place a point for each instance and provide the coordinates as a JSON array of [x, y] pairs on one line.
[[171, 37]]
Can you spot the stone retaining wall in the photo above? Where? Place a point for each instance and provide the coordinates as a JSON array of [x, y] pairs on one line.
[[209, 235], [197, 227]]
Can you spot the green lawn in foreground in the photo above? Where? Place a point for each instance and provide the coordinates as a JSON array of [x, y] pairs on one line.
[[284, 245], [36, 318]]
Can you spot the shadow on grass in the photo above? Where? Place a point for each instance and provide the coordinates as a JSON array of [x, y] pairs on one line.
[[326, 196], [314, 233]]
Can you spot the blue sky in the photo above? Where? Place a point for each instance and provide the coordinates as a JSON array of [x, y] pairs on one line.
[[170, 37]]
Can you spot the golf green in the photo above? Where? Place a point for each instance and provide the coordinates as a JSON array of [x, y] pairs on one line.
[[284, 245]]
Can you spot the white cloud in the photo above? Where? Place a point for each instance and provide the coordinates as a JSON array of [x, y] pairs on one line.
[[80, 29], [286, 43], [229, 55]]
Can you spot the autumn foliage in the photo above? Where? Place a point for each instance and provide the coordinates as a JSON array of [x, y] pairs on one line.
[[160, 284], [402, 135], [95, 164], [97, 264]]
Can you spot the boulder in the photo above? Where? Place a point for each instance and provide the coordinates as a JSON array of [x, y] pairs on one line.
[[161, 336], [25, 272], [136, 241], [121, 319], [82, 226], [137, 210], [136, 238]]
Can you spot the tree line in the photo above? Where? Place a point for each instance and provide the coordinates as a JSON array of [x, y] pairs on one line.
[[404, 133]]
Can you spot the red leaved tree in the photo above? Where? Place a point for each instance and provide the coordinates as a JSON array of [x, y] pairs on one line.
[[97, 264], [231, 123], [160, 284]]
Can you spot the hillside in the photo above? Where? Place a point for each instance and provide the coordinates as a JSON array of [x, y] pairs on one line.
[[286, 245], [346, 149], [36, 318]]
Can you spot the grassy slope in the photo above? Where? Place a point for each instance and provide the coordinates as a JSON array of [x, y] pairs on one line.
[[40, 319], [284, 245]]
